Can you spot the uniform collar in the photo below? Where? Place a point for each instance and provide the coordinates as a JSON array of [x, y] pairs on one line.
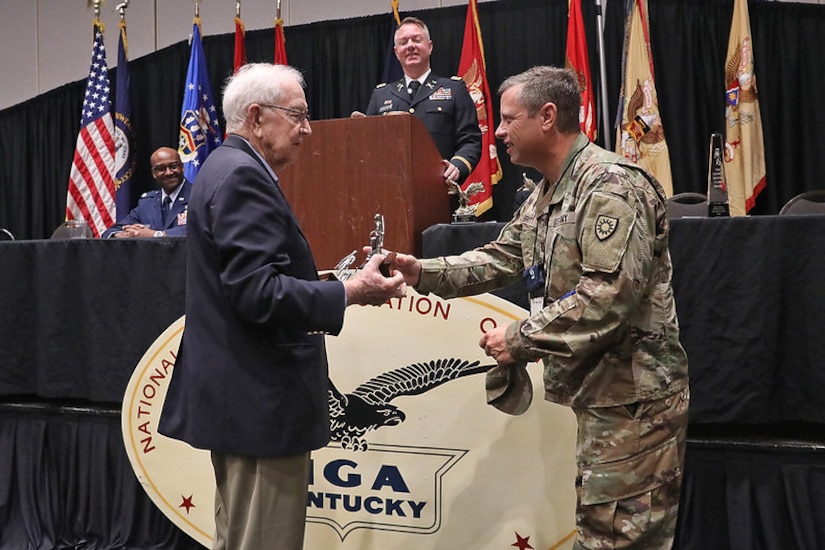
[[556, 191]]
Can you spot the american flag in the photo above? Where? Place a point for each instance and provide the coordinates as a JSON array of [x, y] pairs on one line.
[[91, 195]]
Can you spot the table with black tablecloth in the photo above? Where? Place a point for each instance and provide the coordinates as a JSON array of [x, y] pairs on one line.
[[750, 295], [76, 316]]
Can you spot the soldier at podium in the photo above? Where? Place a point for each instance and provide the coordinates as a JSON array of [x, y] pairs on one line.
[[443, 104]]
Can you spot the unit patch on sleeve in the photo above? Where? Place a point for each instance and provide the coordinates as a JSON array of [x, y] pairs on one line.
[[605, 226], [608, 222]]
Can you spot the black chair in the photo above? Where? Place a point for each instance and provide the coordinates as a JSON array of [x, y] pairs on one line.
[[687, 205], [809, 202], [5, 235]]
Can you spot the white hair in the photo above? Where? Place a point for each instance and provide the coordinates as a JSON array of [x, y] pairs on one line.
[[254, 83]]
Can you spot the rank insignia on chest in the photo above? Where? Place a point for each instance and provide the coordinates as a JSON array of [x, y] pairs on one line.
[[606, 226], [442, 94]]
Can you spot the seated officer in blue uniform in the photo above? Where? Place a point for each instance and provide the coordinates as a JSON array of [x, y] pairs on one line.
[[160, 212], [443, 104]]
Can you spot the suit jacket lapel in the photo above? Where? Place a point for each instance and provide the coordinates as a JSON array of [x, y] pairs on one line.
[[399, 90]]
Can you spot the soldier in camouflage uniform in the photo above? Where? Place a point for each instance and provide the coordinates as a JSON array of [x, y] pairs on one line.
[[592, 244]]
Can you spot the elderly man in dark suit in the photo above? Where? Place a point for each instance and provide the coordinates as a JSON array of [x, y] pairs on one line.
[[160, 212], [443, 104], [250, 383]]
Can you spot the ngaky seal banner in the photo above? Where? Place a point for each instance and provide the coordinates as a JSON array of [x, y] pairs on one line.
[[418, 460]]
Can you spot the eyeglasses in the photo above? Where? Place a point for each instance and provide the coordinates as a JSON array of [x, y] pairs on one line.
[[161, 168], [298, 116]]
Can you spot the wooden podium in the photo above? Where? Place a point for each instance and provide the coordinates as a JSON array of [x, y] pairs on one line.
[[350, 169]]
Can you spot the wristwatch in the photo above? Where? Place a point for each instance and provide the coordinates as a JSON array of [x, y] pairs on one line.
[[158, 234]]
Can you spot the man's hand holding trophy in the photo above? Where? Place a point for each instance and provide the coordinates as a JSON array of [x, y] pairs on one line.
[[373, 276]]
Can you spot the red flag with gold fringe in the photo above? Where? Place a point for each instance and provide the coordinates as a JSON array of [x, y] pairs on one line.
[[280, 43], [577, 60], [240, 45], [473, 71]]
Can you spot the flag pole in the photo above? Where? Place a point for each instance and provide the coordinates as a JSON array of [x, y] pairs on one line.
[[238, 8], [121, 9], [278, 9], [603, 73]]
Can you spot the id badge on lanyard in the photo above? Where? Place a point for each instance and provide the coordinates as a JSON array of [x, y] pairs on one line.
[[534, 281]]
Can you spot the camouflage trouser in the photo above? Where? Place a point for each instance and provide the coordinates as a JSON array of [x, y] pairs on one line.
[[630, 474]]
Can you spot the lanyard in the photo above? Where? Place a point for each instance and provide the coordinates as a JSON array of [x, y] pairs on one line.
[[543, 203]]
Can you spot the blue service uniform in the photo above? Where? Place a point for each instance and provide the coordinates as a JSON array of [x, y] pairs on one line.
[[447, 111], [148, 213]]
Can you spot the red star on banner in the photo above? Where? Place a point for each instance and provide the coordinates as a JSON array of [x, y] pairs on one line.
[[522, 543], [186, 502]]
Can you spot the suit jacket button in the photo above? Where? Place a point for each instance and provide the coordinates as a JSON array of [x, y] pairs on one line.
[[412, 109]]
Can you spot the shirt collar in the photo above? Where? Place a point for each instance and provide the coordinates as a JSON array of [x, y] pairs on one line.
[[421, 79], [174, 194]]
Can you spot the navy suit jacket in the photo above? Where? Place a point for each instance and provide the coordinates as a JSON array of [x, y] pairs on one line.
[[251, 376], [147, 212], [448, 112]]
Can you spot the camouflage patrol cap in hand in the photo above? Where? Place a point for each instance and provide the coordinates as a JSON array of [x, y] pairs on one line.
[[509, 388]]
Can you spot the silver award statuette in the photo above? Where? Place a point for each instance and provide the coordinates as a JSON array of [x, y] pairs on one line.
[[342, 268], [377, 244], [377, 237]]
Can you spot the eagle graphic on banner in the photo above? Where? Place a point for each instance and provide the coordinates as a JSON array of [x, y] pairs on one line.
[[368, 407]]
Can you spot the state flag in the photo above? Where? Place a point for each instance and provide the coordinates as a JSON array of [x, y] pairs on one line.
[[125, 158]]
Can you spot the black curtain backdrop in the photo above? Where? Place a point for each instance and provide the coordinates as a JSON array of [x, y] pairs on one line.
[[66, 483], [343, 60]]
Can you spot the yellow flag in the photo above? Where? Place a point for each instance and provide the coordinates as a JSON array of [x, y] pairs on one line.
[[744, 147], [641, 137]]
